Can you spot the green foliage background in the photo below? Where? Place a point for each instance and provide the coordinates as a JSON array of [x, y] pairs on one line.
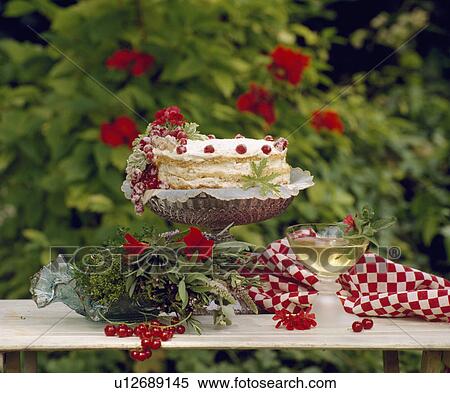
[[60, 185]]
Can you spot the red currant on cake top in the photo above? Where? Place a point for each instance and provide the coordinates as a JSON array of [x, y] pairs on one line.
[[209, 149], [266, 149], [357, 327], [268, 138], [241, 149], [238, 136], [183, 141], [181, 149], [181, 135], [211, 136], [281, 144], [367, 323]]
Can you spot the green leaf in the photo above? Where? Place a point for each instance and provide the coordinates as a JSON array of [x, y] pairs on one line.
[[224, 83], [18, 8], [383, 223], [182, 292]]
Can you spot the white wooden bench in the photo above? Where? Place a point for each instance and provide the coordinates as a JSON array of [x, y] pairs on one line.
[[25, 329]]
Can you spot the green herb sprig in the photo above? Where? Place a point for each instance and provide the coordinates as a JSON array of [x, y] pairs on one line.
[[259, 179]]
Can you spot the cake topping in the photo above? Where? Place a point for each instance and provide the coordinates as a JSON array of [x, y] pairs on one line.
[[269, 138], [209, 149], [238, 136], [183, 141], [241, 149], [266, 149], [211, 136], [181, 135], [281, 144], [181, 149]]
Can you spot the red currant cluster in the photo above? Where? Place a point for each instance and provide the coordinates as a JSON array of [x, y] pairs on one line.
[[151, 336], [300, 321], [171, 115], [359, 326]]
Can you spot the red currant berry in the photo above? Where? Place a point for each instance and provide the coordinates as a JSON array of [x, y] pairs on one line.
[[268, 138], [148, 353], [130, 331], [156, 331], [110, 330], [147, 149], [165, 336], [122, 331], [367, 323], [209, 149], [281, 144], [149, 156], [266, 149], [147, 334], [241, 149], [155, 323], [134, 355], [155, 344], [183, 141], [238, 136], [357, 327], [211, 136], [180, 329], [146, 343], [181, 135], [141, 356], [181, 149]]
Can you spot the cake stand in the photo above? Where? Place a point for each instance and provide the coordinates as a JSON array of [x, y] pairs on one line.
[[324, 250], [216, 210]]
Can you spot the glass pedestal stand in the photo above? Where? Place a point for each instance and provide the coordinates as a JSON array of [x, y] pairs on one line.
[[327, 306]]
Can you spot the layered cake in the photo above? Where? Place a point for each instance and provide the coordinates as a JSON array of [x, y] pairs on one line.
[[173, 154]]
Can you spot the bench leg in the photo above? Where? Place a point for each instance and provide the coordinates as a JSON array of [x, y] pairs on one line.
[[431, 361], [11, 362], [391, 362], [30, 362], [446, 361]]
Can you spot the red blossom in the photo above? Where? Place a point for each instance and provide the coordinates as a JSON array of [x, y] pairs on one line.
[[196, 242], [329, 120], [258, 101], [134, 246], [171, 115], [288, 64], [300, 321], [136, 63], [121, 131], [349, 222]]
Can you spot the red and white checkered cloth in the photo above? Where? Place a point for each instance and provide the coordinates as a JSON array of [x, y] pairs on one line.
[[375, 286]]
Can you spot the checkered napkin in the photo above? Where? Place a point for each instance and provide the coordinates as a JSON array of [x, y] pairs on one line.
[[375, 286]]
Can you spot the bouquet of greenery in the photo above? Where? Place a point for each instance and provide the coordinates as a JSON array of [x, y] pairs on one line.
[[182, 273]]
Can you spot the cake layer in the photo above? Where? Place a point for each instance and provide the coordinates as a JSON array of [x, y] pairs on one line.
[[222, 168]]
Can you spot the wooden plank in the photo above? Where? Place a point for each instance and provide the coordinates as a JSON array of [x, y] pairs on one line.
[[58, 328], [30, 362], [391, 362], [431, 361], [12, 362]]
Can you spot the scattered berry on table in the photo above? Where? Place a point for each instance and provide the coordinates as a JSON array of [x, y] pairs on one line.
[[357, 327], [367, 323], [110, 330]]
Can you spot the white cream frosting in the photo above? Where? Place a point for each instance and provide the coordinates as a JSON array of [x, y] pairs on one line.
[[222, 148]]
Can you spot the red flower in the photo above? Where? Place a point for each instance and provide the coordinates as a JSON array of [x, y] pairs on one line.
[[171, 115], [329, 120], [288, 64], [197, 243], [258, 101], [122, 131], [129, 60], [300, 321], [134, 246], [349, 222]]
